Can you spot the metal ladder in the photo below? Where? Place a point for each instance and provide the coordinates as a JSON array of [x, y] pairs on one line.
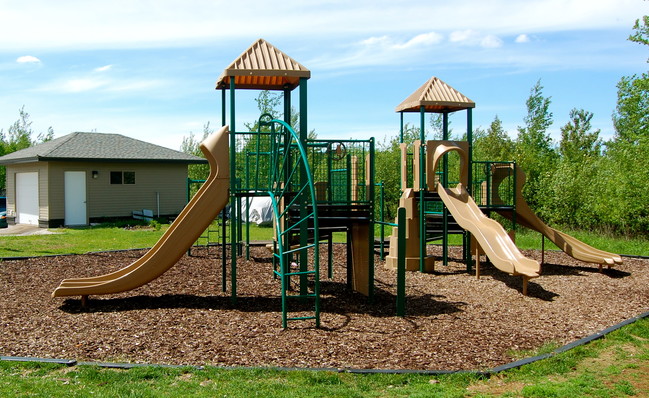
[[292, 192]]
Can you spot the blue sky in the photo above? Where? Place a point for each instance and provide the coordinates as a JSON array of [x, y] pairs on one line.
[[146, 69]]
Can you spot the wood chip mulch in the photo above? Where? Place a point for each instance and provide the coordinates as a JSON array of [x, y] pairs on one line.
[[454, 321]]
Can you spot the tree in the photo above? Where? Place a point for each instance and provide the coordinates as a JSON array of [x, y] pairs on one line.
[[534, 151], [641, 34], [572, 192], [19, 136], [578, 142], [270, 103], [630, 119], [494, 144], [624, 197], [191, 145], [437, 126]]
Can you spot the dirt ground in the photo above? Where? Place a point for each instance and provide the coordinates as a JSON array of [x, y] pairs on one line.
[[454, 321]]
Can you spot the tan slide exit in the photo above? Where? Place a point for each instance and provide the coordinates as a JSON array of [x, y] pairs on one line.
[[197, 215], [570, 245]]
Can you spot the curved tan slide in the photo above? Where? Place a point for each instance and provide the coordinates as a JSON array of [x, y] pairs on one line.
[[183, 232], [570, 245], [490, 235]]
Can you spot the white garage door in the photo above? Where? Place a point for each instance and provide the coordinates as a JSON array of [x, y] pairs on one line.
[[27, 198]]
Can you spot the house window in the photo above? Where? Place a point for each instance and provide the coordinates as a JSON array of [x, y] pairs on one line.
[[129, 177], [122, 177]]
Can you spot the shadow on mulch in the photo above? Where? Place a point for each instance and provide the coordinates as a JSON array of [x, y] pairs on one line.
[[336, 298], [576, 270], [516, 282]]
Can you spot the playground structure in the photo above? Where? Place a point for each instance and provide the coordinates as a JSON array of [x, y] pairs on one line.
[[435, 211], [319, 187]]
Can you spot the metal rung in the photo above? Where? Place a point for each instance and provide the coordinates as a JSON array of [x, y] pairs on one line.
[[310, 295], [278, 273], [299, 273], [299, 249], [300, 318]]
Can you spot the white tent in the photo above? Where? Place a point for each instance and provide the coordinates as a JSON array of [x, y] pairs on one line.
[[258, 208]]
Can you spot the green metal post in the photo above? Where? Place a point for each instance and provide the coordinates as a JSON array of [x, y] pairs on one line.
[[370, 198], [304, 178], [381, 217], [348, 177], [330, 256], [247, 187], [469, 188], [287, 105], [469, 135], [223, 108], [401, 262], [233, 202], [401, 142], [224, 252]]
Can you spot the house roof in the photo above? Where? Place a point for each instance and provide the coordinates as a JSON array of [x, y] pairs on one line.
[[435, 96], [263, 67], [98, 147]]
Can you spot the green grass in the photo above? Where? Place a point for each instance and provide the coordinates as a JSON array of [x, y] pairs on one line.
[[80, 240], [116, 237], [614, 366]]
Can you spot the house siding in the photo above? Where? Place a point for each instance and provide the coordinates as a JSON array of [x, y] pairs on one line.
[[152, 181]]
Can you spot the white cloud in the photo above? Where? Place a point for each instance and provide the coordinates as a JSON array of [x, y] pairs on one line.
[[388, 43], [28, 59], [424, 39], [471, 37], [103, 68], [491, 41], [378, 50], [461, 36], [522, 38], [81, 85], [128, 24], [94, 83]]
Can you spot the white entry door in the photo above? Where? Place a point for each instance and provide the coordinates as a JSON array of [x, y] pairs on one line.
[[75, 197], [27, 198]]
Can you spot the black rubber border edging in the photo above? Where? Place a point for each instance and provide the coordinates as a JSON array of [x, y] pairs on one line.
[[497, 369]]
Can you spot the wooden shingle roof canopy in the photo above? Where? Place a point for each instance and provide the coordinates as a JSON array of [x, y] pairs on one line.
[[435, 96], [263, 67]]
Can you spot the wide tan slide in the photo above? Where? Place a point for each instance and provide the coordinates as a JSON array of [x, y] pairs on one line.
[[490, 235], [570, 245], [183, 232]]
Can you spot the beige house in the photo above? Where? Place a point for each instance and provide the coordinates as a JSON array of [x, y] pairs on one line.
[[86, 177]]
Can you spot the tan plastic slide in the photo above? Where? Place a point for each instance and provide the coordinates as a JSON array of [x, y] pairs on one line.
[[183, 232], [489, 234], [571, 246]]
